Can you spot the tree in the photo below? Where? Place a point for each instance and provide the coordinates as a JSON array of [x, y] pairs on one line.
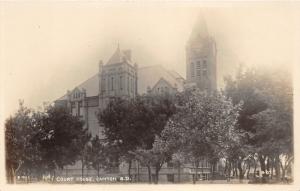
[[120, 129], [275, 124], [133, 124], [98, 155], [266, 115], [19, 149], [83, 143], [144, 156], [274, 138], [161, 153], [59, 138], [201, 125]]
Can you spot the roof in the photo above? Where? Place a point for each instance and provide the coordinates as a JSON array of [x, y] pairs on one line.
[[175, 74], [162, 80], [91, 87], [200, 29], [149, 76], [119, 56]]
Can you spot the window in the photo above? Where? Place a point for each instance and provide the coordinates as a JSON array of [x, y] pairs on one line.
[[198, 65], [112, 83], [167, 89], [204, 68], [131, 84], [198, 72], [73, 109], [192, 69], [128, 83], [80, 110], [103, 85], [121, 82], [204, 64]]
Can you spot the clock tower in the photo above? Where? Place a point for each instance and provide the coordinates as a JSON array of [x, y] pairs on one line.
[[201, 58]]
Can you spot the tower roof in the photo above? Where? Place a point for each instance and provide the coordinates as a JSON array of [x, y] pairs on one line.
[[119, 56], [199, 29]]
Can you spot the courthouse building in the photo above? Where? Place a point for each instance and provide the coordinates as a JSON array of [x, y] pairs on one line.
[[118, 77], [121, 77]]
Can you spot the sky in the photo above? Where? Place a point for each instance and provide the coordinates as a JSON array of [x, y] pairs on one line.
[[47, 48]]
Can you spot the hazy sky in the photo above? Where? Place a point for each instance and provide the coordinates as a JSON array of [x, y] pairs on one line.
[[48, 48]]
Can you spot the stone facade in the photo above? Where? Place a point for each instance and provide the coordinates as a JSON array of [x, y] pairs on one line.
[[118, 78]]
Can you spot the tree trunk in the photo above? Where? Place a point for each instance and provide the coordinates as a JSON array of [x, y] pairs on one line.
[[225, 168], [229, 171], [239, 166], [13, 173], [236, 169], [98, 170], [149, 174], [233, 172], [255, 165], [157, 169], [248, 169], [268, 164], [138, 171], [272, 168], [212, 171], [14, 176], [178, 172], [54, 175], [29, 175], [277, 167], [202, 169], [196, 172], [129, 168], [262, 163], [283, 172], [10, 175], [82, 167]]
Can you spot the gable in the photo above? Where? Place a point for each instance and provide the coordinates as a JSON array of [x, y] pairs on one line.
[[91, 87], [149, 76], [162, 83], [162, 86]]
